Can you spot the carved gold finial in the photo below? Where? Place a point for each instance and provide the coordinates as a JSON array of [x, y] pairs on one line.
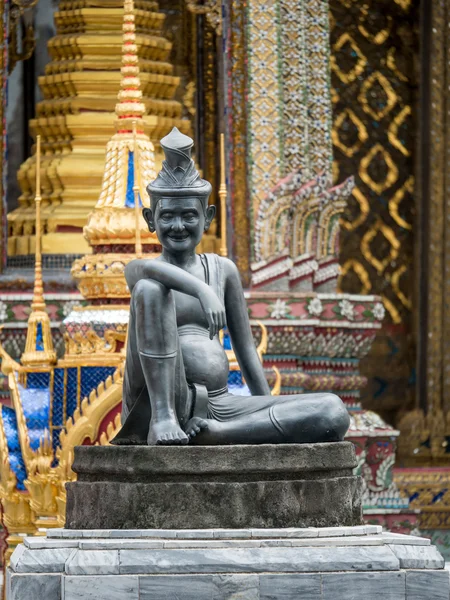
[[130, 104], [223, 199], [136, 193], [39, 344]]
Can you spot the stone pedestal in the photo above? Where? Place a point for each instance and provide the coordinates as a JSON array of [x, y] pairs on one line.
[[344, 563], [214, 487]]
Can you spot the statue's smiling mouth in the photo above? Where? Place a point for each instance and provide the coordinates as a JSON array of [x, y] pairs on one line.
[[178, 238]]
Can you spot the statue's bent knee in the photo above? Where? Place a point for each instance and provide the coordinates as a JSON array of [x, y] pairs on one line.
[[146, 291], [335, 418]]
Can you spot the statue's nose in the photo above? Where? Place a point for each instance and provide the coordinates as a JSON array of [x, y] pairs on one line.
[[178, 224]]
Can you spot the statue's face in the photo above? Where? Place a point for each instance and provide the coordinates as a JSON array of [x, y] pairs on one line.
[[180, 223]]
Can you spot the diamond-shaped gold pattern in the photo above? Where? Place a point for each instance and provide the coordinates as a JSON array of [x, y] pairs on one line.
[[376, 156], [369, 246], [346, 42], [373, 137], [385, 104], [347, 117]]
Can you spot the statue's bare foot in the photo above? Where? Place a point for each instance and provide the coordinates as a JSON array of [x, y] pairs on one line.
[[195, 425], [166, 433]]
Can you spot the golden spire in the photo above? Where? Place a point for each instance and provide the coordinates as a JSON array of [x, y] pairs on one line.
[[223, 199], [116, 225], [130, 106], [38, 295], [39, 344], [112, 221]]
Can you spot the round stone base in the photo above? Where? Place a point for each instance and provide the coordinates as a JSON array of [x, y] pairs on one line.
[[192, 487]]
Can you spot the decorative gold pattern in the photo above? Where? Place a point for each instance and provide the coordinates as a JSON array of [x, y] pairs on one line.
[[101, 276], [394, 245], [358, 67], [364, 210], [395, 201], [263, 94], [211, 8], [373, 133], [374, 155], [341, 122], [90, 343], [361, 273], [394, 128], [316, 23], [367, 91]]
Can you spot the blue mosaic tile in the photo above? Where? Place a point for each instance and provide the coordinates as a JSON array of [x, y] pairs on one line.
[[12, 437]]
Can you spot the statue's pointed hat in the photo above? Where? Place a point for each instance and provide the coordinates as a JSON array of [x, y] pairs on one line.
[[178, 176]]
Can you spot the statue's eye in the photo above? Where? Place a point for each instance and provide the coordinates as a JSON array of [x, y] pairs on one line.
[[166, 216], [189, 216]]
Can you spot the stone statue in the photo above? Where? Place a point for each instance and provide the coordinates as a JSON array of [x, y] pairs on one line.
[[175, 385]]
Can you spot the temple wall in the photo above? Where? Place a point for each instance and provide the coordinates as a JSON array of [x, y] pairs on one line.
[[374, 91]]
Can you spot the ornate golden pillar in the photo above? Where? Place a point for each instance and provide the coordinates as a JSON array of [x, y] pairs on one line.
[[426, 429]]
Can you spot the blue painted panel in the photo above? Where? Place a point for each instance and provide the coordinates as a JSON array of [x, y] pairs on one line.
[[12, 437]]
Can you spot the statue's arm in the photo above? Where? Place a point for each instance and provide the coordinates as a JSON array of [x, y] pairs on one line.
[[169, 275], [241, 333], [174, 278]]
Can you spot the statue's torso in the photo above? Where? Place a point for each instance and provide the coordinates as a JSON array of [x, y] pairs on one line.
[[205, 361]]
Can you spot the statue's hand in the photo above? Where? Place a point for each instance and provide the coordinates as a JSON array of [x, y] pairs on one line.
[[214, 311]]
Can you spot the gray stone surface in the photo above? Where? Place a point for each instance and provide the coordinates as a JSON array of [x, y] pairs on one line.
[[50, 560], [141, 464], [204, 587], [93, 562], [257, 560], [290, 587], [35, 587], [73, 536], [101, 588], [38, 543], [363, 586], [428, 585], [418, 557], [289, 503], [361, 563], [265, 486]]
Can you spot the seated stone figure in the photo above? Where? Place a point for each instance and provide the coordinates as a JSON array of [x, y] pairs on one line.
[[175, 385]]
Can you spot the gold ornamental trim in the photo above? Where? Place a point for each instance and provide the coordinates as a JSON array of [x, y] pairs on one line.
[[102, 275]]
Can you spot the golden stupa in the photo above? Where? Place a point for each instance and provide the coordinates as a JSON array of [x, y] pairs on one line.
[[76, 117]]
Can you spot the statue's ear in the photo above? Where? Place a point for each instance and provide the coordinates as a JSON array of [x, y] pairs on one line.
[[148, 216], [210, 213]]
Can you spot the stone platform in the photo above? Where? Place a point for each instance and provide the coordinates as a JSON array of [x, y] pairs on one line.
[[343, 563], [191, 487]]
